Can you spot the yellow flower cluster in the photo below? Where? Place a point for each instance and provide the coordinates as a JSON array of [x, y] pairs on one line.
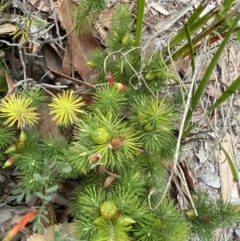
[[65, 107], [18, 109]]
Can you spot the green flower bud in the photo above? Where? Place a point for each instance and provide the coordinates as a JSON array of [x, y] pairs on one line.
[[109, 210], [8, 163], [20, 145], [100, 136], [98, 221], [11, 149], [127, 40], [191, 213], [22, 137], [126, 220], [141, 117], [150, 76], [157, 223], [92, 64], [148, 127]]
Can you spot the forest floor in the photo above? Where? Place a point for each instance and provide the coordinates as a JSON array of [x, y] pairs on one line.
[[202, 162]]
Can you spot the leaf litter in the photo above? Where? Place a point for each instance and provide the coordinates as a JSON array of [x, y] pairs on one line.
[[206, 160]]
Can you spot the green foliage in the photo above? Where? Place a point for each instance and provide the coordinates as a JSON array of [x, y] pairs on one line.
[[156, 68], [120, 147], [61, 235], [110, 155], [160, 226], [53, 146], [96, 59], [156, 118], [37, 95], [91, 199], [212, 214], [7, 137], [205, 79], [109, 99], [3, 5], [213, 21], [133, 180], [121, 25], [48, 182], [108, 231], [86, 12]]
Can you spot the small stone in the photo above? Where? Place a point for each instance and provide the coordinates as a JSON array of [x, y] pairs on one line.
[[211, 180]]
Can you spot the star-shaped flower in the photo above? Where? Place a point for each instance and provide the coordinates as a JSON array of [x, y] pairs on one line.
[[65, 107], [17, 109]]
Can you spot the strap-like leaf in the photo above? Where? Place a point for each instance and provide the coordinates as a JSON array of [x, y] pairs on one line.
[[205, 79]]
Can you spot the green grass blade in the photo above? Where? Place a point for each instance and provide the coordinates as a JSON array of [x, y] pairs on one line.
[[193, 27], [231, 165], [227, 4], [227, 93], [197, 12], [140, 14], [214, 27], [204, 81], [190, 45], [230, 22]]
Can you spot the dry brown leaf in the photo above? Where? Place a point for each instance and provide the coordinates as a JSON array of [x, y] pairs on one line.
[[190, 178], [182, 193], [7, 28], [66, 64], [50, 232], [109, 181], [101, 26], [80, 45], [52, 58], [9, 80], [57, 4], [219, 2], [225, 171], [46, 125], [170, 20]]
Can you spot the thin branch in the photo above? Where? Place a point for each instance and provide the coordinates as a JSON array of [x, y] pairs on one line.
[[176, 155]]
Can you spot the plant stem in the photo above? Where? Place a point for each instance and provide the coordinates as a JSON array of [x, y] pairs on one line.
[[140, 14]]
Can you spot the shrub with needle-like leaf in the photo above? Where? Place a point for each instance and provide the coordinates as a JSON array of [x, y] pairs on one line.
[[155, 119], [212, 214], [7, 136], [65, 107], [37, 95], [86, 12], [18, 110], [109, 99], [104, 140]]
